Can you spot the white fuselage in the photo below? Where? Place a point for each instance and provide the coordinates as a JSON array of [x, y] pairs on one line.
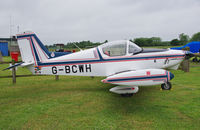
[[93, 62]]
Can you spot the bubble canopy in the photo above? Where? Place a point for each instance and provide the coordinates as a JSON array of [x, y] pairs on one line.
[[119, 48]]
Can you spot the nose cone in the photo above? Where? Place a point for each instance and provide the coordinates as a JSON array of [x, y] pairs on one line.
[[171, 75]]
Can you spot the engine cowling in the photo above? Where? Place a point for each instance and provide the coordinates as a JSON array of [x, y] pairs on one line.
[[143, 77]]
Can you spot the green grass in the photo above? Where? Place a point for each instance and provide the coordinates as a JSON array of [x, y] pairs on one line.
[[9, 59], [85, 103], [20, 70]]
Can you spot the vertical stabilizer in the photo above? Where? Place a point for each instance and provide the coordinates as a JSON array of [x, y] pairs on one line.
[[31, 48]]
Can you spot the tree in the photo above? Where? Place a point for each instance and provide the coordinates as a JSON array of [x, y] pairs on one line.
[[195, 37], [175, 42], [140, 41], [153, 41], [183, 38], [156, 41]]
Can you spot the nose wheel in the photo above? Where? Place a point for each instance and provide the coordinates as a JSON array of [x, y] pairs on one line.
[[166, 86]]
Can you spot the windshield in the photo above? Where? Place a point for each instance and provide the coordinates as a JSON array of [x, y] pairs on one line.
[[133, 48], [115, 49], [120, 48]]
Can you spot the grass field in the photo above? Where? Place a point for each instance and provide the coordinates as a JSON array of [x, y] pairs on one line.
[[85, 103]]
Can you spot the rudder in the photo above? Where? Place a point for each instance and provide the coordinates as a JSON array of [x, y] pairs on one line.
[[31, 48]]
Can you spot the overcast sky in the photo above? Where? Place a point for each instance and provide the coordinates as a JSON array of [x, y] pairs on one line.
[[61, 21]]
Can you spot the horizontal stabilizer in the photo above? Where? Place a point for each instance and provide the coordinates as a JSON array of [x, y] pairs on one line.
[[27, 64], [22, 64], [13, 66]]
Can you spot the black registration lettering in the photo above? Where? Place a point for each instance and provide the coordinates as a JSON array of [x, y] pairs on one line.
[[54, 70], [67, 69], [81, 68], [74, 68], [78, 68], [88, 68]]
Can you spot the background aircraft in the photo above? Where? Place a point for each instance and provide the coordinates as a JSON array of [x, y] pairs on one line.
[[122, 62]]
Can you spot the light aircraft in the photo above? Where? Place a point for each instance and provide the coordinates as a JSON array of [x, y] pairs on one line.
[[123, 63]]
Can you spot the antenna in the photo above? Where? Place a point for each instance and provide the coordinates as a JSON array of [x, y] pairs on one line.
[[10, 30], [77, 47], [18, 29], [10, 26]]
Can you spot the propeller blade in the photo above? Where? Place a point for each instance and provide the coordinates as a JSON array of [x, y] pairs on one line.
[[189, 54]]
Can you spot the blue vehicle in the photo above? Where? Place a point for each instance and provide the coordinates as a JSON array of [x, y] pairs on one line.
[[194, 48]]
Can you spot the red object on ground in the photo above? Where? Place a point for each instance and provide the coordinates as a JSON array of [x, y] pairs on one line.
[[14, 56], [73, 51]]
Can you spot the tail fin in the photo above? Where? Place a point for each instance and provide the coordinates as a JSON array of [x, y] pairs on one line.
[[31, 48]]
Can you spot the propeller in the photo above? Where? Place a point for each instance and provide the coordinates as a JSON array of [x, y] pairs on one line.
[[189, 54], [185, 64]]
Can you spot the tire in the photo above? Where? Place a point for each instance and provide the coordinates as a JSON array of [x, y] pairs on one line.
[[166, 86], [127, 95]]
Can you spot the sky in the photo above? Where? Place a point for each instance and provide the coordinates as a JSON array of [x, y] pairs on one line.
[[62, 21]]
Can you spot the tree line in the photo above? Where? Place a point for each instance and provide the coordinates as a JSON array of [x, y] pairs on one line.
[[142, 41], [157, 41]]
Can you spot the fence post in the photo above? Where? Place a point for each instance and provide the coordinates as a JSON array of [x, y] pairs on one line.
[[185, 65], [56, 77], [1, 57], [13, 73]]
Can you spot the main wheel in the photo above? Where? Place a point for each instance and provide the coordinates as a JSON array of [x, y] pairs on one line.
[[127, 95], [166, 86]]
